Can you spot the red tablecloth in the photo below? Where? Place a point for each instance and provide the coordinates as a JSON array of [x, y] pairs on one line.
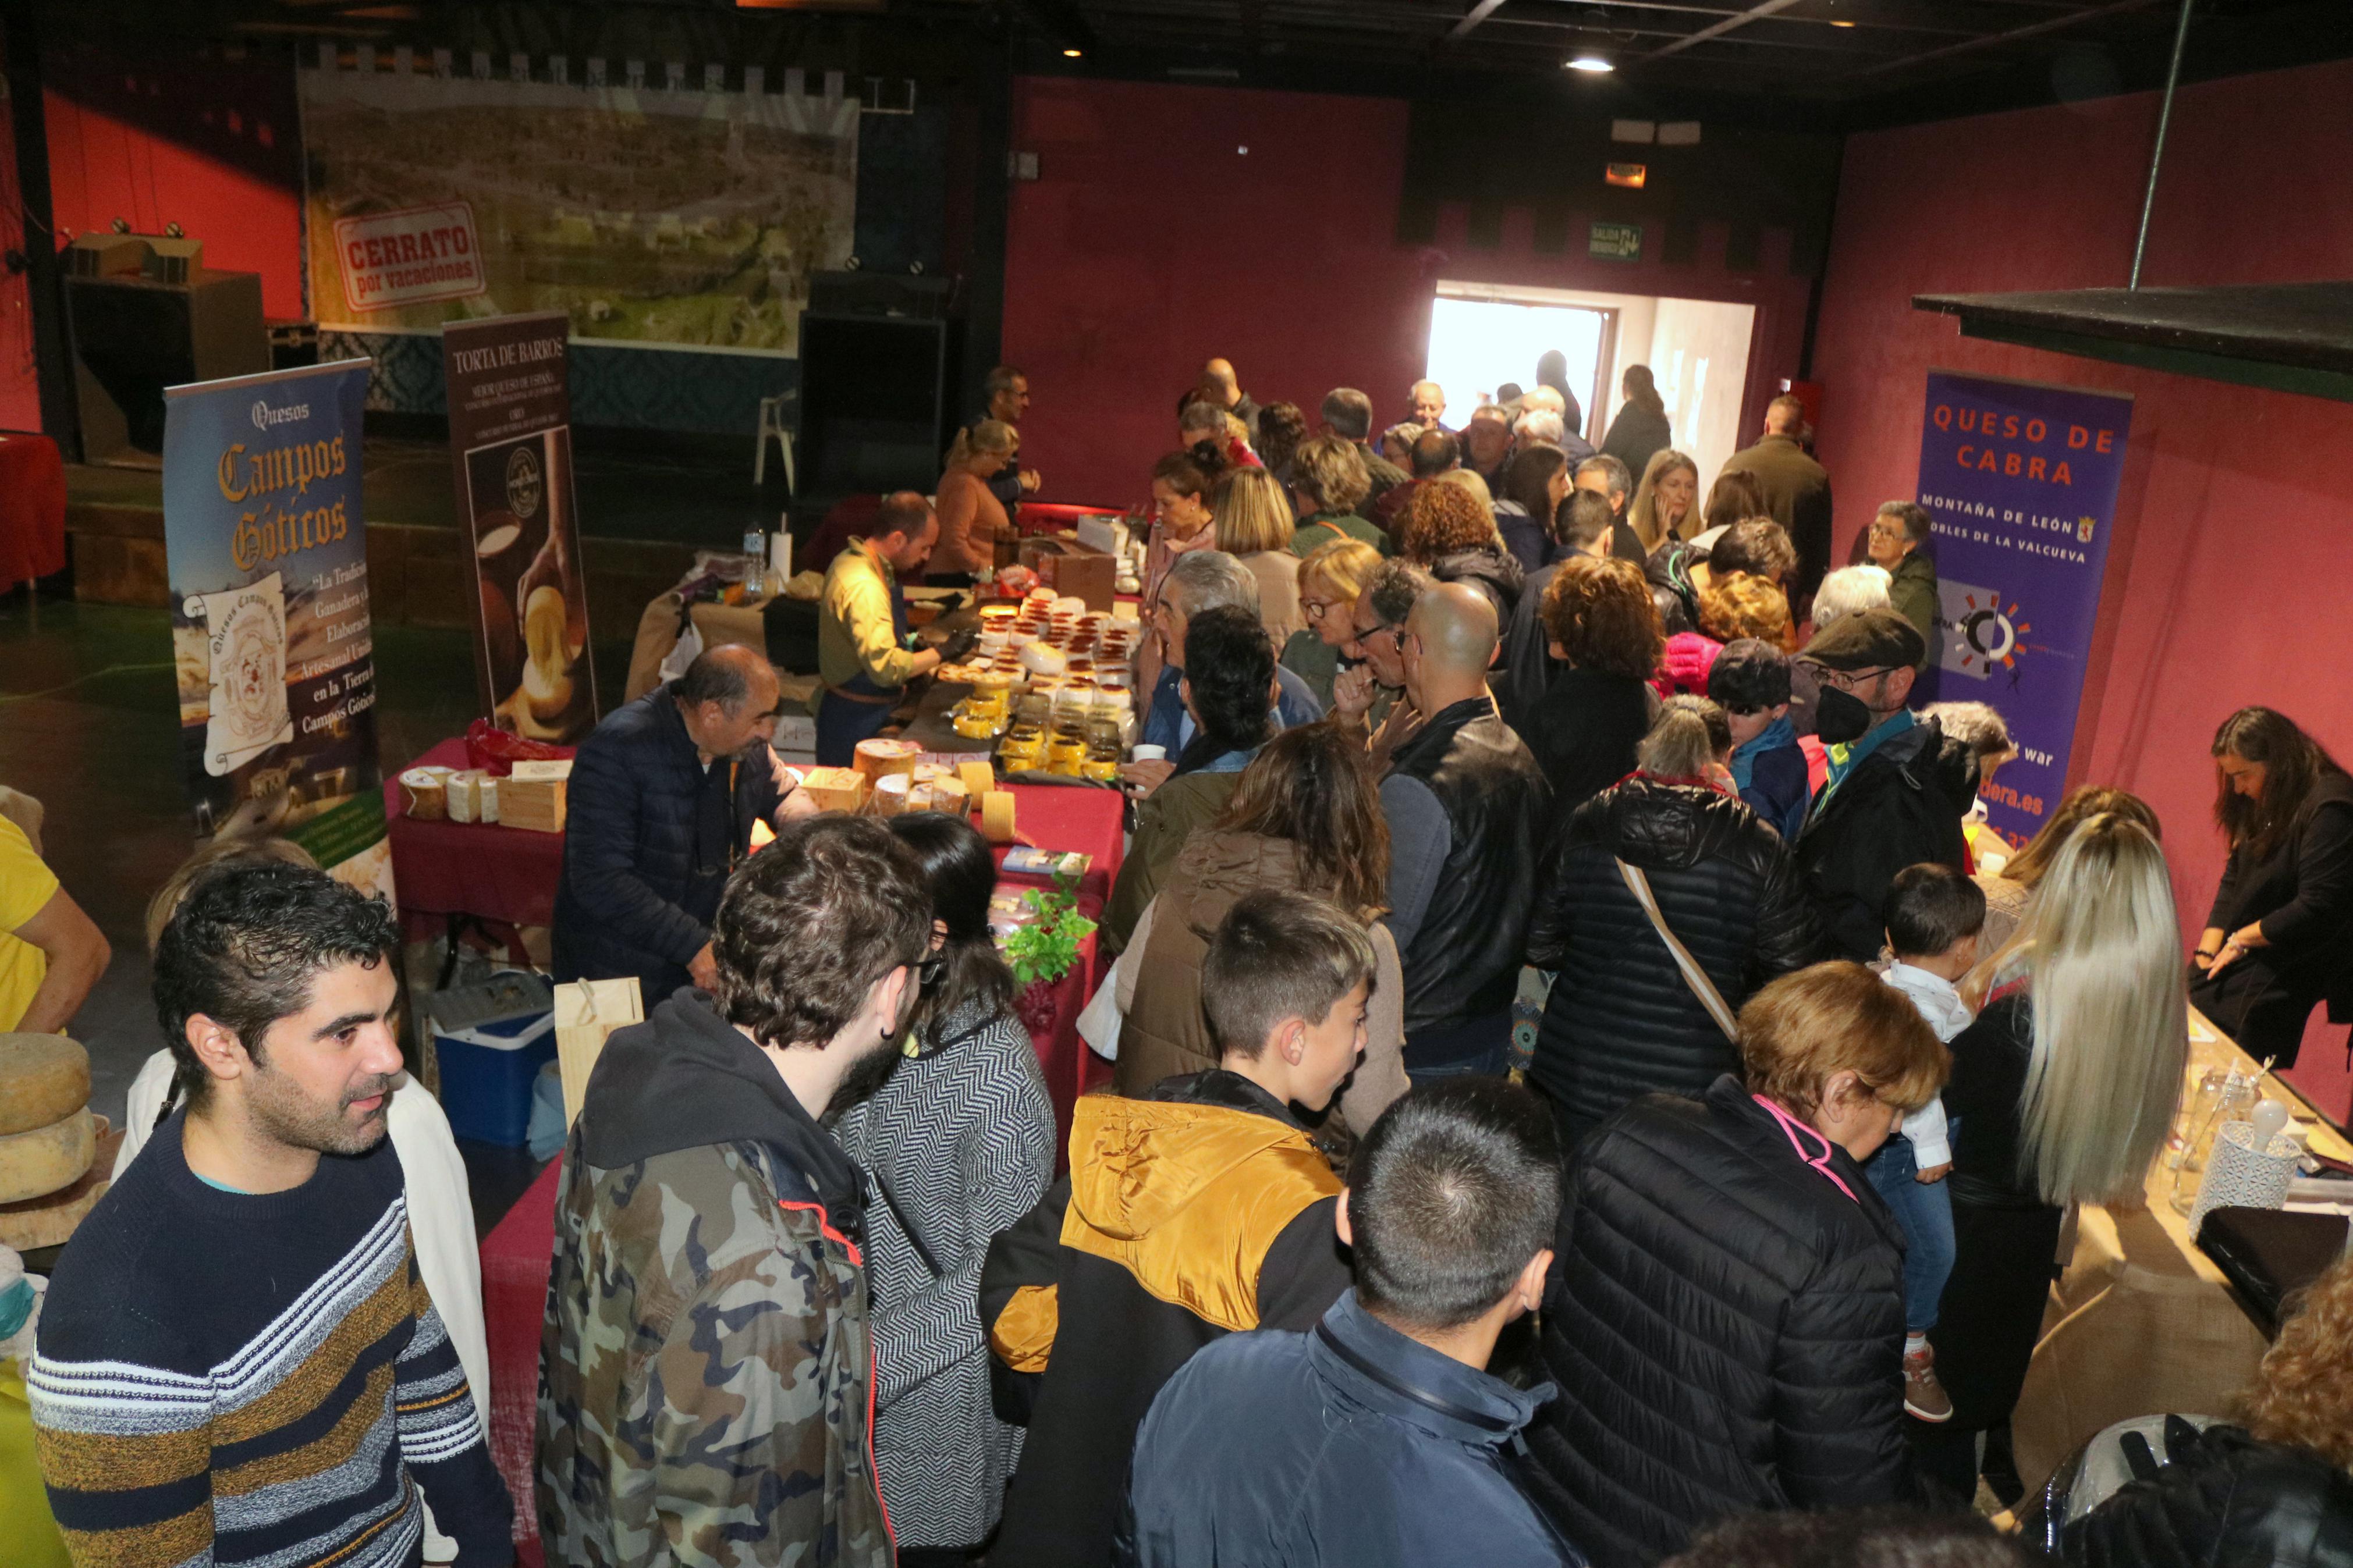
[[468, 867], [515, 1255], [32, 509]]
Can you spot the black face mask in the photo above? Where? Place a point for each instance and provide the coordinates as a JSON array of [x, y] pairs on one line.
[[1840, 717]]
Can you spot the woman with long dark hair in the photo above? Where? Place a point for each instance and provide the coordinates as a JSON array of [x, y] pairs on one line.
[[957, 1144], [2279, 937], [1640, 428], [1535, 482], [1305, 815]]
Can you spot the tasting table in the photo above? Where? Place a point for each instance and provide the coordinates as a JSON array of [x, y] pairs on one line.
[[516, 1254], [2141, 1321]]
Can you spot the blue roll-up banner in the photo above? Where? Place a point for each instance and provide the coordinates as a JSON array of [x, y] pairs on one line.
[[268, 550], [2022, 479]]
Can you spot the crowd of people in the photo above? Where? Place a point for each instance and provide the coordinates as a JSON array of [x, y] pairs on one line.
[[1739, 1260]]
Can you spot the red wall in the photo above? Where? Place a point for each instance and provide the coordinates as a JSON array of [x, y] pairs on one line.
[[1149, 243], [2227, 572], [212, 145]]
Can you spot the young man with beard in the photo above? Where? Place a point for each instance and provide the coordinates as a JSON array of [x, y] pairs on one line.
[[705, 1371], [238, 1361]]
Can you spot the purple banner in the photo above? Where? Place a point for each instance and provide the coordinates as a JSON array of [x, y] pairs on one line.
[[2022, 479]]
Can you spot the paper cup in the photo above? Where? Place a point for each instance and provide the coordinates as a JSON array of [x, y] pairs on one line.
[[1149, 754]]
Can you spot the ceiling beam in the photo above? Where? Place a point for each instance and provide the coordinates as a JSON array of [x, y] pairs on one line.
[[1476, 14], [1755, 12], [1989, 40]]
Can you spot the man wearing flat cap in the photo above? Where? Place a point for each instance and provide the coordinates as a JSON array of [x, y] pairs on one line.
[[1897, 786]]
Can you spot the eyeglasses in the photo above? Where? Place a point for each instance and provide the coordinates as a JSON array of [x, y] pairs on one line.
[[931, 971], [1316, 610], [1848, 679]]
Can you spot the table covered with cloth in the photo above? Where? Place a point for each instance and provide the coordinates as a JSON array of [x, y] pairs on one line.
[[32, 509], [441, 869], [516, 1255], [2140, 1321]]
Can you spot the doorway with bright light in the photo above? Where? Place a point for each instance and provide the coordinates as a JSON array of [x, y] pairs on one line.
[[1484, 336]]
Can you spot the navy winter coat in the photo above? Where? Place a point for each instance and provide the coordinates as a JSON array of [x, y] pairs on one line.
[[1351, 1444], [632, 899]]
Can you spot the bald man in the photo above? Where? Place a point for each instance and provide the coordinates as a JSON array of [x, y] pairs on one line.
[[1219, 373], [1428, 401], [1469, 816], [663, 795]]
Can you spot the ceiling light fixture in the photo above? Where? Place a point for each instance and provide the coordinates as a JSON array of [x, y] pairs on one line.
[[1073, 54], [1591, 63], [1839, 23]]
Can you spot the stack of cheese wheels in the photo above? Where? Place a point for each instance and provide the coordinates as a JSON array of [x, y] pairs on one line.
[[48, 1138]]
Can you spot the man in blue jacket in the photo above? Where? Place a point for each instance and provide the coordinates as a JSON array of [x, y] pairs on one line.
[[661, 802], [1378, 1438]]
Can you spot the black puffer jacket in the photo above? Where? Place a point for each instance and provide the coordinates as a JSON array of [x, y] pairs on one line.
[[1497, 574], [1621, 1022], [1725, 1327], [635, 895], [1464, 959], [2223, 1499], [1903, 805]]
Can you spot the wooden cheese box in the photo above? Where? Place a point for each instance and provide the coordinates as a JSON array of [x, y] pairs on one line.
[[533, 796]]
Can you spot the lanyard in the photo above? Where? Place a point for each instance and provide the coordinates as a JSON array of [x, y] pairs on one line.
[[1791, 1127]]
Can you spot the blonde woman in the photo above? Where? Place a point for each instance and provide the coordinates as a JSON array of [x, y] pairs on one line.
[[1329, 581], [1251, 517], [2062, 1093], [1330, 481], [2009, 892], [972, 520], [1662, 507]]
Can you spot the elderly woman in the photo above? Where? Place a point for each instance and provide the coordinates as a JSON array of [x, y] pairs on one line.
[[1986, 733], [972, 520], [1328, 483], [1329, 581], [1897, 535], [1252, 519], [1725, 1320]]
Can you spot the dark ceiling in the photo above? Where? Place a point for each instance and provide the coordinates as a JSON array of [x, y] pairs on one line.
[[1836, 62]]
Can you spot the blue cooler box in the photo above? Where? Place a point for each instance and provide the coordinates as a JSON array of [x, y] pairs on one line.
[[489, 1062]]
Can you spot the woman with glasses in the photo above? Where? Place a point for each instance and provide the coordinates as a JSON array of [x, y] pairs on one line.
[[1893, 543], [956, 1145], [1725, 1321], [1329, 581]]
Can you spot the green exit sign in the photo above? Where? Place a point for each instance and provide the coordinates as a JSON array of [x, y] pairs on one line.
[[1615, 242]]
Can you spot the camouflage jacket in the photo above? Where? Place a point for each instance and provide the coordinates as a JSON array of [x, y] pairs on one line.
[[705, 1367]]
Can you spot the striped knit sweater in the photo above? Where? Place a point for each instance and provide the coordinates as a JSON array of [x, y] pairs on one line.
[[225, 1378]]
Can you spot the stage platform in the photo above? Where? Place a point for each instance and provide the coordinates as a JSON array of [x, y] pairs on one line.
[[642, 516]]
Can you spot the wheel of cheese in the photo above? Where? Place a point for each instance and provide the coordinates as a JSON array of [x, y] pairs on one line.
[[36, 1163], [44, 1079]]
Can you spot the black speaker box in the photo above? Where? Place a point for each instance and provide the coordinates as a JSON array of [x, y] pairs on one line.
[[133, 336], [874, 414]]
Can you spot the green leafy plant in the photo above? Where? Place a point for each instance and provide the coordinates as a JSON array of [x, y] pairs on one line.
[[1047, 947]]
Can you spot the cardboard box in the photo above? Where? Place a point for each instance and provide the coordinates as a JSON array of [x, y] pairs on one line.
[[1072, 570]]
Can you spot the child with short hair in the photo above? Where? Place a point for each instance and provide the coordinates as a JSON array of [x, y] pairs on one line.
[[1200, 1210], [1934, 914], [1750, 681]]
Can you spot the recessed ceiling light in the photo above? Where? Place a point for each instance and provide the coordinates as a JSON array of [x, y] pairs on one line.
[[1837, 24], [1593, 63], [1072, 54]]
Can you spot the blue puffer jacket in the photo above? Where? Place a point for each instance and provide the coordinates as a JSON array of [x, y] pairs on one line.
[[1349, 1444], [632, 900]]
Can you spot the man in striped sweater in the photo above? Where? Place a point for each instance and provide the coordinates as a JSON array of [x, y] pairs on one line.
[[237, 1362]]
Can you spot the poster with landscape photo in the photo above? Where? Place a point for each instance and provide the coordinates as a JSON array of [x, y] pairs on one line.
[[658, 216]]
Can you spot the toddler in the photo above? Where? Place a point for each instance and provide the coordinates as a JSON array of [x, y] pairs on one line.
[[1934, 916]]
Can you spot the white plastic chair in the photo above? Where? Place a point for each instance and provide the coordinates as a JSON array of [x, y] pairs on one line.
[[771, 423]]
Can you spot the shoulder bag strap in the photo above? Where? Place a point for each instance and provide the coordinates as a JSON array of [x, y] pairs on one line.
[[1693, 975]]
